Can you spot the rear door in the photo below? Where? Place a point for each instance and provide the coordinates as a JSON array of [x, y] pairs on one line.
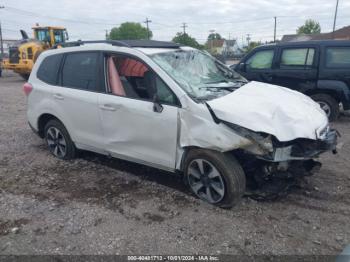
[[297, 67], [77, 100], [259, 65]]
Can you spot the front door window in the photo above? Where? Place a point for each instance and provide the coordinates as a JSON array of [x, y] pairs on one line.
[[261, 60], [131, 78]]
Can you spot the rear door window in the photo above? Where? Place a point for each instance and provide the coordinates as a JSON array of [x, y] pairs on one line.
[[338, 57], [48, 69], [80, 71], [297, 57], [261, 60]]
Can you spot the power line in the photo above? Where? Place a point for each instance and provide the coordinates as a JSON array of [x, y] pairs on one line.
[[32, 14]]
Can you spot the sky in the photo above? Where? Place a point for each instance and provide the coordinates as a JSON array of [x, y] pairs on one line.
[[233, 19]]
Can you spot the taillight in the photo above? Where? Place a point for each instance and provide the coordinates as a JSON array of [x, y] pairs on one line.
[[27, 88]]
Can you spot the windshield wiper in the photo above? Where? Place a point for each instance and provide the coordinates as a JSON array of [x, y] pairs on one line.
[[218, 88], [217, 82]]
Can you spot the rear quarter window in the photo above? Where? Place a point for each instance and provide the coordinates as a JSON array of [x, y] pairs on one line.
[[48, 69], [338, 57]]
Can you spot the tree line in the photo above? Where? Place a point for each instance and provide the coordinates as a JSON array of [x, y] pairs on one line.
[[135, 31]]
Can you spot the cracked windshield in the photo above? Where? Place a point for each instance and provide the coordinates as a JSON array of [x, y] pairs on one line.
[[201, 76]]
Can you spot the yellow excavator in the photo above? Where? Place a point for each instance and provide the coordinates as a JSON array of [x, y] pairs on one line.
[[23, 54]]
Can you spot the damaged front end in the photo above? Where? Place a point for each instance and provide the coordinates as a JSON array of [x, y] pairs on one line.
[[273, 167]]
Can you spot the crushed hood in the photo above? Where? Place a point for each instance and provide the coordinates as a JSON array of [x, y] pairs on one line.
[[275, 110]]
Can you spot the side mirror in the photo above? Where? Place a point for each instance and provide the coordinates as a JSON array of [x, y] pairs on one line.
[[242, 67], [157, 106]]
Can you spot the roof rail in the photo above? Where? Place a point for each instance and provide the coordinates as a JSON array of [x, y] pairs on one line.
[[125, 43], [80, 42]]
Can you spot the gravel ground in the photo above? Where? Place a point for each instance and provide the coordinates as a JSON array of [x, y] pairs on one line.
[[96, 205]]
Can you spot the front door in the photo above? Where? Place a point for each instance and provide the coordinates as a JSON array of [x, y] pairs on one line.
[[134, 128], [259, 66]]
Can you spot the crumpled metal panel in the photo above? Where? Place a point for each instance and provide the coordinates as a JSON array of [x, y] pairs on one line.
[[275, 110], [199, 129]]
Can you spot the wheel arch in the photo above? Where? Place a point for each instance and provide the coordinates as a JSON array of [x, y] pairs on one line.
[[333, 93], [187, 149], [333, 88], [43, 120]]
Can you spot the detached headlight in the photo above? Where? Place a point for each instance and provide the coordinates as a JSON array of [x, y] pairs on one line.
[[262, 139]]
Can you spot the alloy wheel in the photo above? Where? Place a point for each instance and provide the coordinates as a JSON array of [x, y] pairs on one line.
[[206, 181], [56, 142]]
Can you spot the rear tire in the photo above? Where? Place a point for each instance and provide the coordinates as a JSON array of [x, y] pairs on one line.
[[328, 104], [58, 140], [25, 76], [220, 172]]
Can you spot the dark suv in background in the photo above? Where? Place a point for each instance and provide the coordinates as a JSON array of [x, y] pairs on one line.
[[320, 69]]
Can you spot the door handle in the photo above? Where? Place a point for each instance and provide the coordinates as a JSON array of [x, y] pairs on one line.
[[108, 107], [58, 96]]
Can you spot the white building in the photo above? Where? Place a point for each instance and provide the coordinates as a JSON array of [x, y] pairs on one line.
[[231, 48]]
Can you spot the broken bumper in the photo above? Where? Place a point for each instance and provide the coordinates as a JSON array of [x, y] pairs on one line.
[[302, 149]]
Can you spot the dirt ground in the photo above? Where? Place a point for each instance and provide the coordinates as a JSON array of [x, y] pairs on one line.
[[96, 205]]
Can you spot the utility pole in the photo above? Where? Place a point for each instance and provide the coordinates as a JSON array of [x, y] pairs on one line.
[[147, 22], [212, 31], [1, 41], [248, 39], [107, 34], [184, 25], [335, 15], [274, 34]]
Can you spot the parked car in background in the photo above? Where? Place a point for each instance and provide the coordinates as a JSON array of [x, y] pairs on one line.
[[319, 69], [175, 108]]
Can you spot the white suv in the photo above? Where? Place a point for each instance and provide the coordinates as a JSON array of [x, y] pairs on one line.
[[175, 108]]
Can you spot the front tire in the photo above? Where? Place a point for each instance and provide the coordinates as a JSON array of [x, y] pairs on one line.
[[25, 76], [328, 104], [215, 177], [58, 140]]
